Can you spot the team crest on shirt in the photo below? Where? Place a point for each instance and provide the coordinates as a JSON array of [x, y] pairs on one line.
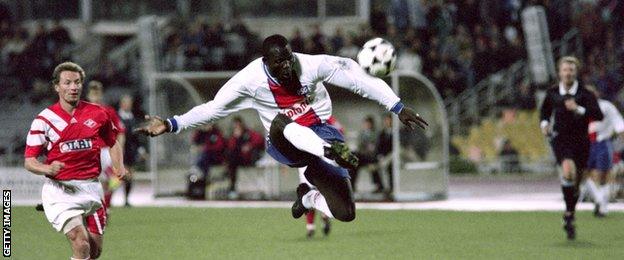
[[308, 92], [75, 145], [90, 123]]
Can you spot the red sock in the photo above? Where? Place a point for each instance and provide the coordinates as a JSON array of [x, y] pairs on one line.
[[310, 217], [107, 198]]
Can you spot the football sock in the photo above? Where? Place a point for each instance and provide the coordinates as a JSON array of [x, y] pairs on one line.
[[315, 200], [604, 197], [310, 217], [108, 195], [570, 196], [593, 190], [305, 139]]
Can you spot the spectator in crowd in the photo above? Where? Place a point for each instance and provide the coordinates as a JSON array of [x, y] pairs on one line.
[[526, 97], [194, 40], [510, 160], [409, 59], [175, 59], [337, 41], [399, 14], [366, 152], [418, 16], [378, 20], [59, 42], [297, 42], [349, 50], [244, 148], [384, 149], [210, 144], [319, 41]]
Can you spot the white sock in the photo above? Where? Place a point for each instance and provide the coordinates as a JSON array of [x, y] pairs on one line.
[[305, 139], [309, 227], [593, 190], [604, 198], [315, 200]]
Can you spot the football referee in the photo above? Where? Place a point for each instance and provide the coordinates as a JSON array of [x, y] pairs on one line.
[[565, 114]]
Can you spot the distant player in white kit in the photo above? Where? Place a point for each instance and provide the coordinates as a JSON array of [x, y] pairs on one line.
[[71, 133], [294, 109], [601, 152]]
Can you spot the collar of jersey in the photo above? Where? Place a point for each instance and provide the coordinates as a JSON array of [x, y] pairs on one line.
[[271, 78], [572, 91]]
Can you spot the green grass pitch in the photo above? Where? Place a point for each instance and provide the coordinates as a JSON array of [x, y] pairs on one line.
[[208, 233]]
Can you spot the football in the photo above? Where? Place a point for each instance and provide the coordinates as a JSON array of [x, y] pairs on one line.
[[377, 57]]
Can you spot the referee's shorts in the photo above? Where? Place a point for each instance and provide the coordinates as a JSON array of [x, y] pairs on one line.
[[571, 147]]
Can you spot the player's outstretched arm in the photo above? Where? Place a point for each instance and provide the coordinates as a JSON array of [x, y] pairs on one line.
[[412, 119], [346, 73], [153, 126]]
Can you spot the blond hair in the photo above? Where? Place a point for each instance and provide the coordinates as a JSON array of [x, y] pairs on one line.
[[569, 59], [67, 66]]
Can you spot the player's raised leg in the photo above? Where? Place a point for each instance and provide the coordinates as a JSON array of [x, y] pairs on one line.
[[303, 146], [304, 139], [309, 198]]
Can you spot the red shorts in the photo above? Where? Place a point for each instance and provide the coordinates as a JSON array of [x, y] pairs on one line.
[[97, 221]]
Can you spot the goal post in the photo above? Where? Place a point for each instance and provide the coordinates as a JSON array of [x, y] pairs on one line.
[[420, 158]]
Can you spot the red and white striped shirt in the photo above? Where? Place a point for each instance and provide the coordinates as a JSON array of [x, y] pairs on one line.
[[74, 140]]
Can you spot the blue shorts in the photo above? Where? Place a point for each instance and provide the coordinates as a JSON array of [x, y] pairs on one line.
[[600, 156], [325, 131]]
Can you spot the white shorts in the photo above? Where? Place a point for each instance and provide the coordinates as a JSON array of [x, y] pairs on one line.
[[63, 200]]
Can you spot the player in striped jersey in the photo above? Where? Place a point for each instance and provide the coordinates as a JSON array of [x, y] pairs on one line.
[[70, 133]]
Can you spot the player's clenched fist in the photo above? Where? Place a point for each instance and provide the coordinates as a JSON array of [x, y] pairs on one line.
[[412, 119], [153, 126], [54, 168]]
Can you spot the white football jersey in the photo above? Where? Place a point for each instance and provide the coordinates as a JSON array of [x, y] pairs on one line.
[[611, 123], [253, 87]]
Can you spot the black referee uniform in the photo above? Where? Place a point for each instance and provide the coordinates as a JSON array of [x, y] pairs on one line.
[[570, 139]]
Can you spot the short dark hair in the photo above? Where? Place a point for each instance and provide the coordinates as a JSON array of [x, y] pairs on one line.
[[275, 40], [67, 66]]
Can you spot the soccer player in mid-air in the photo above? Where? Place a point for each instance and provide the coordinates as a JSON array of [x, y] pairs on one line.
[[601, 152], [282, 87], [71, 133], [565, 114]]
